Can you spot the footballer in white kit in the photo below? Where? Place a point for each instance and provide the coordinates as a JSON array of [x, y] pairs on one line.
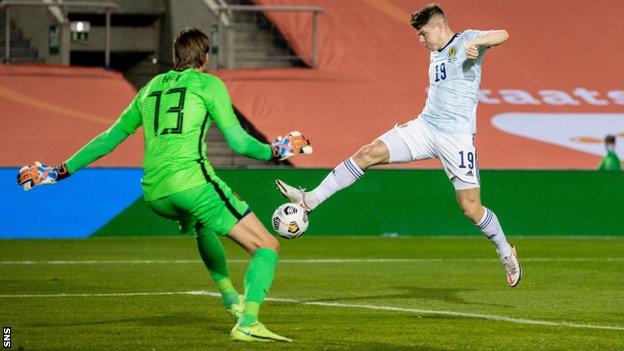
[[445, 129]]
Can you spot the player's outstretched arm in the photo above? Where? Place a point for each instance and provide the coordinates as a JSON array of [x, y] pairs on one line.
[[282, 148], [490, 38], [244, 144], [220, 108], [41, 174]]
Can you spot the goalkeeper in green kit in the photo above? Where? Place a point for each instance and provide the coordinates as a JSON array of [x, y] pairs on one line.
[[175, 109]]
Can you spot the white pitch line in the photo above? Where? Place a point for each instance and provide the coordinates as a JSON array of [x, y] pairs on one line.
[[322, 260], [489, 317]]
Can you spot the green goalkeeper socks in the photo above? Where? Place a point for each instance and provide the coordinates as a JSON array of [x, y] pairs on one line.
[[258, 280], [228, 293], [212, 253], [250, 314]]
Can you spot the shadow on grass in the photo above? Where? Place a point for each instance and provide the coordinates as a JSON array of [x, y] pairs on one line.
[[217, 337], [437, 294], [372, 346], [178, 319]]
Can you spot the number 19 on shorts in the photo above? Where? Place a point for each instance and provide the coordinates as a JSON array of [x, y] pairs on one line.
[[469, 159]]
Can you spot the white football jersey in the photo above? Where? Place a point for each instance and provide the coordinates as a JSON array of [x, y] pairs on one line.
[[454, 86]]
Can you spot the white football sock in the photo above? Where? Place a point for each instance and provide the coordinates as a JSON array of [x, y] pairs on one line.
[[339, 178], [491, 228]]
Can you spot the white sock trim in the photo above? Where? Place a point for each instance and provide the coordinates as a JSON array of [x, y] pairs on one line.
[[345, 174], [486, 219], [353, 168]]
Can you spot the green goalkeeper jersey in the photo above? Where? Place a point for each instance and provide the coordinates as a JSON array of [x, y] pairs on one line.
[[175, 109]]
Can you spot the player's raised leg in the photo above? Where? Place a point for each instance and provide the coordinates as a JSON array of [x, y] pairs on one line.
[[486, 220], [345, 174], [404, 143], [253, 237]]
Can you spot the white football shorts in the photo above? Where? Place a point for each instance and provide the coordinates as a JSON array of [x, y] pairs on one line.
[[415, 141]]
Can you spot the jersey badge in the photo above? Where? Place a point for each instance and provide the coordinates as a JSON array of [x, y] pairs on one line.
[[452, 55]]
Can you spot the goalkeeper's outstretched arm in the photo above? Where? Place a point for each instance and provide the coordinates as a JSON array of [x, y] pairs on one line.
[[40, 174], [105, 143], [281, 148], [244, 144], [98, 147], [220, 109]]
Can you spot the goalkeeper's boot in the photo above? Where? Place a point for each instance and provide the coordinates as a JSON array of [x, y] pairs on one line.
[[256, 332], [512, 267], [294, 195], [236, 310]]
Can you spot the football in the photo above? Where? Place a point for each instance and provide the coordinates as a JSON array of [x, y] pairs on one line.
[[290, 220]]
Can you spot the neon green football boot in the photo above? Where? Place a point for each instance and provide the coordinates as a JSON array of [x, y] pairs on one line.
[[256, 332]]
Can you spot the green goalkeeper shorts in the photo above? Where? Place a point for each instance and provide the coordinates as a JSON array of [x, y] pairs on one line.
[[212, 206]]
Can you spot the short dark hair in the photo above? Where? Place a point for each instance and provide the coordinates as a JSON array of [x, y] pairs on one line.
[[610, 139], [190, 48], [421, 17]]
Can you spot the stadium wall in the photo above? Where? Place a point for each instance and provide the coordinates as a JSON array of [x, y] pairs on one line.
[[108, 202]]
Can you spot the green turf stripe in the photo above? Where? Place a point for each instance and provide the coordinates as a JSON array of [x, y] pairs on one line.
[[324, 261], [489, 317], [385, 299]]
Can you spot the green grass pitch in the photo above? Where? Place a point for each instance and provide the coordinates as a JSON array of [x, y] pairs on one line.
[[330, 293]]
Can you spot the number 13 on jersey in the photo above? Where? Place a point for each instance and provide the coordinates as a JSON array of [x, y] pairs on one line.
[[173, 108]]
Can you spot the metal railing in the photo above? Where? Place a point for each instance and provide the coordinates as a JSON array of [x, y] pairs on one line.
[[227, 11], [108, 7]]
